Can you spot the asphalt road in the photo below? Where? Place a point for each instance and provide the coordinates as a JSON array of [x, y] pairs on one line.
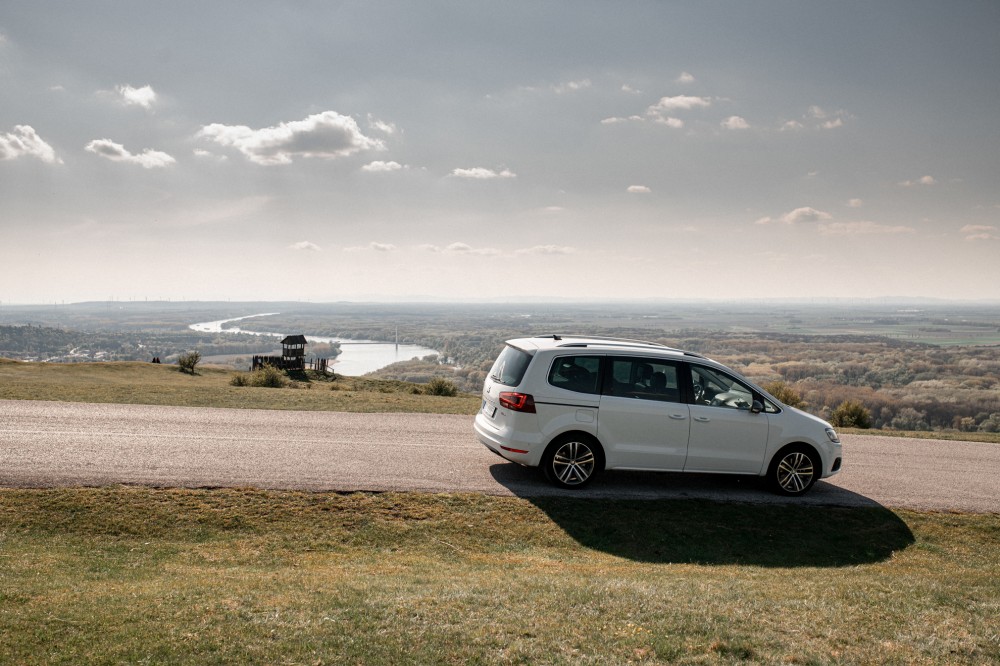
[[51, 444]]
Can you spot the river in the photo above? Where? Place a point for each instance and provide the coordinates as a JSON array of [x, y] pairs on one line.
[[357, 357]]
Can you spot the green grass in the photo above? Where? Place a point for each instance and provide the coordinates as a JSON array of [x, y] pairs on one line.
[[128, 575], [151, 384]]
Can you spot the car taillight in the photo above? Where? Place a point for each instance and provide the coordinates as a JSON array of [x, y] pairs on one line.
[[518, 402]]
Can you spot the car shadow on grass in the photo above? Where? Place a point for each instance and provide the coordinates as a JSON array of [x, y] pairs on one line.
[[714, 520]]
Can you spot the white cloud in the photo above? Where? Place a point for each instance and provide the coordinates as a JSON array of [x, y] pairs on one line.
[[25, 142], [855, 203], [148, 159], [638, 189], [685, 77], [791, 126], [465, 248], [626, 88], [804, 214], [481, 173], [382, 167], [735, 123], [571, 86], [547, 250], [819, 117], [980, 232], [684, 102], [208, 155], [923, 180], [669, 121], [660, 112], [798, 216], [144, 96], [381, 126], [373, 246], [326, 135], [306, 246], [861, 229], [615, 120]]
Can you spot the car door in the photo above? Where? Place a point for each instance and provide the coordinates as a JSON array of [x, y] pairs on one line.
[[643, 422], [726, 435]]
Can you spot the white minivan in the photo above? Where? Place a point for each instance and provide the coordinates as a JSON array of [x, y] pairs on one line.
[[576, 406]]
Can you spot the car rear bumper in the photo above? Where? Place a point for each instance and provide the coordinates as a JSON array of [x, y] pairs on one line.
[[504, 442]]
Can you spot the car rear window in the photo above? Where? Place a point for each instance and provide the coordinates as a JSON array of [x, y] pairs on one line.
[[510, 366]]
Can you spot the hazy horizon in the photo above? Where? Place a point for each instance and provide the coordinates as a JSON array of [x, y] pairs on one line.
[[882, 301], [454, 152]]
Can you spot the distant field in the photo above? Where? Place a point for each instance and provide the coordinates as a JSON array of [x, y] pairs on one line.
[[128, 575], [153, 384]]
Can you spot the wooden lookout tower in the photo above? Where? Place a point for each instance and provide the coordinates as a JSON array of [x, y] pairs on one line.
[[293, 352]]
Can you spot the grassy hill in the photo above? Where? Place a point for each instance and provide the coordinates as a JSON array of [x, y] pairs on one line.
[[152, 384]]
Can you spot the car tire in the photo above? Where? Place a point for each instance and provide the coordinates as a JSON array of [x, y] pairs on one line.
[[794, 470], [572, 461]]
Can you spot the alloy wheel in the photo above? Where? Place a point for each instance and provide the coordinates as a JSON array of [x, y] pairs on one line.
[[573, 463], [795, 473]]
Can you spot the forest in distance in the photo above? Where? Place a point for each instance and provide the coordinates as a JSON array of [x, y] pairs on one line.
[[910, 365]]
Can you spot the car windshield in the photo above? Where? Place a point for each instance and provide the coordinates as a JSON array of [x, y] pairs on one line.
[[510, 366]]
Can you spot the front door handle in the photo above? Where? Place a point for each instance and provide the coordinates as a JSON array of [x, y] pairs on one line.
[[703, 419]]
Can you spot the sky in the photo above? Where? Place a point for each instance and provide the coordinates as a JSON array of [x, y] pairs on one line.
[[470, 151]]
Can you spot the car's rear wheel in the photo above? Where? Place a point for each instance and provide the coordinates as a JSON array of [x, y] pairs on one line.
[[794, 471], [572, 461]]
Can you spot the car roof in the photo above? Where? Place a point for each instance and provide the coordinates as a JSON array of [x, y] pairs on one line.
[[598, 343]]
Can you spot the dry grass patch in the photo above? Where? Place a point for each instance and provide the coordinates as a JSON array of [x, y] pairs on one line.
[[242, 576], [153, 384]]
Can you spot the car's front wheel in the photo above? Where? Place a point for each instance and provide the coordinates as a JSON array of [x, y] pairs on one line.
[[794, 471], [572, 461]]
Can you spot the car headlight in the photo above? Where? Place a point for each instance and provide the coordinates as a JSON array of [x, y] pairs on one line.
[[832, 434]]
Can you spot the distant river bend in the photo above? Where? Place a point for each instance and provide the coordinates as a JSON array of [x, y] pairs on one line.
[[357, 357]]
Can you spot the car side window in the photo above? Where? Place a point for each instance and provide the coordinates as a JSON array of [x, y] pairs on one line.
[[718, 389], [576, 373], [643, 379]]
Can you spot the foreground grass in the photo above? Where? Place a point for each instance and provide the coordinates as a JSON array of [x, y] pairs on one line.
[[123, 575], [149, 384]]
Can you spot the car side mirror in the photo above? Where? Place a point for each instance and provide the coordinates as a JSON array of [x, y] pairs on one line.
[[757, 407]]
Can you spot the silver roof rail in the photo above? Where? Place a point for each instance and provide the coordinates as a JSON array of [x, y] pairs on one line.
[[621, 342]]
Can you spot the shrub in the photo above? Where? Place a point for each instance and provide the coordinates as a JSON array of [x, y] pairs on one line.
[[268, 377], [992, 424], [265, 377], [784, 393], [188, 361], [909, 419], [441, 386], [851, 414]]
